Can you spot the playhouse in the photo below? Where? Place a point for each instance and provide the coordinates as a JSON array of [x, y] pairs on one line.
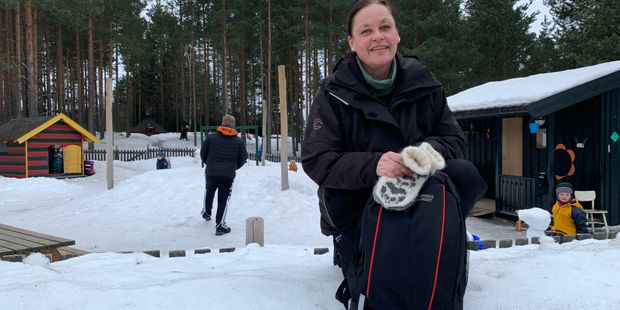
[[527, 134], [42, 146]]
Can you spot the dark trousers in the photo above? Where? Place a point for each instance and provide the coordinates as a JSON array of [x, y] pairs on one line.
[[223, 186], [344, 254]]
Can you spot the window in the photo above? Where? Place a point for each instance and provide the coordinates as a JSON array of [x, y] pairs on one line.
[[3, 148]]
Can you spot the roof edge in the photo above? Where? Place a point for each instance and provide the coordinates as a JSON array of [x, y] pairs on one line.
[[89, 137], [574, 95], [491, 112]]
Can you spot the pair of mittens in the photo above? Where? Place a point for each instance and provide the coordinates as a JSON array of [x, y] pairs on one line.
[[401, 192]]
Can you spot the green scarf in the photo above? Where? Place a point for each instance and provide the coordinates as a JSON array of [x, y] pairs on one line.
[[379, 88]]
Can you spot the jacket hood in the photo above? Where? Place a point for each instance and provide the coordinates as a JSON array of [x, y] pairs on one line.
[[227, 131]]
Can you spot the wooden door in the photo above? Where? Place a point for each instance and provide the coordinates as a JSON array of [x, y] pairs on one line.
[[512, 146], [73, 159]]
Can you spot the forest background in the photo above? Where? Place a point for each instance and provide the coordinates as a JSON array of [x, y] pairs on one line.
[[190, 61]]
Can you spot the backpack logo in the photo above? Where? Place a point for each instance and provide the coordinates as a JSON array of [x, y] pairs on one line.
[[425, 198]]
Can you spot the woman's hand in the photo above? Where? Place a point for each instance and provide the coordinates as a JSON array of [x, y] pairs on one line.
[[391, 165]]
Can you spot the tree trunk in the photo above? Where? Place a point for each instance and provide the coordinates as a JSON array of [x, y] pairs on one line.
[[5, 74], [416, 29], [60, 73], [91, 80], [267, 107], [35, 44], [79, 104], [225, 59], [18, 63], [48, 72], [206, 81], [160, 106], [242, 81], [130, 100], [71, 91], [101, 106], [183, 102], [192, 70], [30, 50], [307, 96]]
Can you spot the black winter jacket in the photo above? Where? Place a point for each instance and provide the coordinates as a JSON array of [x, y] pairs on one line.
[[348, 130], [223, 152]]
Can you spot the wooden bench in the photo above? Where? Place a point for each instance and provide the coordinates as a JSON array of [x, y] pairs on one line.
[[14, 240]]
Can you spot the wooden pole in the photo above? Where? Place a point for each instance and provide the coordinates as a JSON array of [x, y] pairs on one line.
[[109, 133], [255, 231], [283, 127]]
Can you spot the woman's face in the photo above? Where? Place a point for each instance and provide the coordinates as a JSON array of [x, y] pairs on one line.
[[374, 37]]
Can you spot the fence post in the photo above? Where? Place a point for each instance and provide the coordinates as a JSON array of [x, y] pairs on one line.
[[255, 231]]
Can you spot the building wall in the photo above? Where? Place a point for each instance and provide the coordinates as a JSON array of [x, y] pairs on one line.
[[609, 161], [482, 137], [13, 164], [38, 152]]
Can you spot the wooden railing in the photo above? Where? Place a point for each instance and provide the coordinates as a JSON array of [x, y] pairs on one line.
[[516, 193], [131, 155]]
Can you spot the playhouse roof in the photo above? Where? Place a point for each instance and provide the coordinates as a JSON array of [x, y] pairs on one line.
[[23, 128], [536, 95]]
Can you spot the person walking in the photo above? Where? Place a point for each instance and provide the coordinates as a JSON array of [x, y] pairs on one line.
[[223, 152], [376, 103]]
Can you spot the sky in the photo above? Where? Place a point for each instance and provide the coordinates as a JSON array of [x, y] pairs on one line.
[[538, 6], [152, 209]]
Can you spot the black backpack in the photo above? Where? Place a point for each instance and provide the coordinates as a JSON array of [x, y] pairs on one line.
[[412, 259]]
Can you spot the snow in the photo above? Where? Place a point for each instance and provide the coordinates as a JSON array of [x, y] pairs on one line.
[[152, 209], [522, 91], [537, 219]]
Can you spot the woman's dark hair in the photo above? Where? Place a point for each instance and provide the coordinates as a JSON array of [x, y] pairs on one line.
[[364, 3]]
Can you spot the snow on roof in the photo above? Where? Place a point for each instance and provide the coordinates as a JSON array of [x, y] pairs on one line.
[[525, 90]]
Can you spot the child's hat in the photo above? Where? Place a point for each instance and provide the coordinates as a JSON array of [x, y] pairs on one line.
[[564, 187]]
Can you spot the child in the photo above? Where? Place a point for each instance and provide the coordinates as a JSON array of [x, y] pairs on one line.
[[162, 161], [568, 215]]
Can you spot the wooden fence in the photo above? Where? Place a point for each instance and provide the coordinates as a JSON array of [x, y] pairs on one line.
[[273, 157], [131, 155]]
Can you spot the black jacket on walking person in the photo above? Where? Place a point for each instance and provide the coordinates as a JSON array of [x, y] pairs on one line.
[[349, 129], [223, 152]]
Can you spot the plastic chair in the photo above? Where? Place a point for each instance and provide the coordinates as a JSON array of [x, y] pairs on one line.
[[590, 196]]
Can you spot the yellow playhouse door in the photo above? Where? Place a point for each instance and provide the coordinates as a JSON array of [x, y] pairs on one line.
[[73, 159]]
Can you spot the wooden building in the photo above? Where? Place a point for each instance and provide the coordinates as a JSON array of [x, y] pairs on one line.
[[148, 126], [42, 146], [527, 134]]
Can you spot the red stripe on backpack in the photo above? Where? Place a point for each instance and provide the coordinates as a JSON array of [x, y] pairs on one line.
[[443, 223], [372, 256]]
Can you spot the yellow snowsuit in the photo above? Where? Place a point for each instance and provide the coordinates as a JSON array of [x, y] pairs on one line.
[[569, 218]]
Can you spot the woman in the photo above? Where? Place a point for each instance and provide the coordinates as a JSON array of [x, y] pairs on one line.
[[376, 103]]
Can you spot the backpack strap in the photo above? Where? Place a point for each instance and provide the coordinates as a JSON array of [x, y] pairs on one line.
[[343, 294]]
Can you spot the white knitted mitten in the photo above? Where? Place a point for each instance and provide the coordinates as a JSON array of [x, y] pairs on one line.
[[400, 193]]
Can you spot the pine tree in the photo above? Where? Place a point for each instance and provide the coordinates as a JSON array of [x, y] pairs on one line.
[[588, 31]]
